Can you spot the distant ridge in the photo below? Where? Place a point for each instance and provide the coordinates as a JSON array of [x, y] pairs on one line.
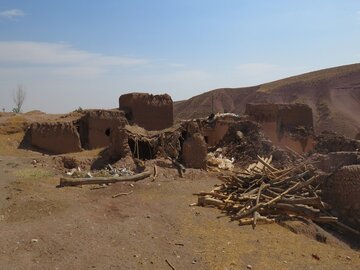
[[333, 94]]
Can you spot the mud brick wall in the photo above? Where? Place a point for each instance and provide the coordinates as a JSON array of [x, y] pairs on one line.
[[286, 116], [342, 191], [119, 146], [194, 152], [293, 115], [96, 126], [56, 138], [280, 122], [262, 112], [331, 161], [152, 112]]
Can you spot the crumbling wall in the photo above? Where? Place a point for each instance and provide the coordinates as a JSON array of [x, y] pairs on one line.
[[329, 162], [194, 152], [286, 116], [244, 141], [152, 112], [289, 125], [263, 112], [119, 145], [56, 138], [213, 135], [292, 116], [342, 191], [215, 127], [328, 142], [96, 126], [300, 144]]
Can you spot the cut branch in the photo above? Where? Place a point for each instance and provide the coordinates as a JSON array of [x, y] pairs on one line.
[[66, 181]]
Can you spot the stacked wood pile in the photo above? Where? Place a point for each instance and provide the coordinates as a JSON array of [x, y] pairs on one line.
[[263, 194]]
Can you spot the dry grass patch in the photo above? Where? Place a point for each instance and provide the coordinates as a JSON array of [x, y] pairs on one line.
[[13, 124], [33, 173]]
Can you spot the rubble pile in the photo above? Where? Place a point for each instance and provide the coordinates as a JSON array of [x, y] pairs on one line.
[[263, 194], [328, 142], [244, 141]]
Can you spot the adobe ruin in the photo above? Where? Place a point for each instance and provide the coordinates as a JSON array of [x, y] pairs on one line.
[[89, 130], [289, 125], [216, 126], [92, 128], [152, 112], [55, 138], [96, 126], [194, 152], [342, 191], [144, 130]]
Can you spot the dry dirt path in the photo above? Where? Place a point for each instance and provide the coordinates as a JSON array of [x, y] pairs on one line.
[[43, 227]]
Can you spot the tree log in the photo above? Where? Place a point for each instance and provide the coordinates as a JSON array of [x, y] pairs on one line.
[[316, 201], [300, 210], [260, 205], [65, 181], [204, 201]]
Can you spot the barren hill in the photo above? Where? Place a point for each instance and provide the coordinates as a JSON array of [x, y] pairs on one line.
[[333, 94]]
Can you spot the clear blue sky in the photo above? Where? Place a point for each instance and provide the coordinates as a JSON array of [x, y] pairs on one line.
[[88, 52]]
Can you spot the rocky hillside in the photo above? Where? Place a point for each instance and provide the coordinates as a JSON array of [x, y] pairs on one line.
[[333, 94]]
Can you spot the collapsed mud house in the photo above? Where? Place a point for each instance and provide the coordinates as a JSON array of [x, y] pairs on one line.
[[151, 112], [143, 128], [289, 125], [89, 130]]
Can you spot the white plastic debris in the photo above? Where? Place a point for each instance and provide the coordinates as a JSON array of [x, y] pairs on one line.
[[220, 162], [70, 173]]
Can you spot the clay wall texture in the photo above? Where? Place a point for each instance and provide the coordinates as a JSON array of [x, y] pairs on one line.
[[264, 112], [287, 116], [342, 191], [300, 145], [279, 120], [294, 115], [96, 127], [119, 146], [56, 138], [214, 135], [329, 162], [194, 152], [152, 112]]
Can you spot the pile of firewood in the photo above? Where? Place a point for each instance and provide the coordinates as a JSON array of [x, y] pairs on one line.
[[263, 194]]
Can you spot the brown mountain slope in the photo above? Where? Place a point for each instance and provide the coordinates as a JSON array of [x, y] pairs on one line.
[[333, 94]]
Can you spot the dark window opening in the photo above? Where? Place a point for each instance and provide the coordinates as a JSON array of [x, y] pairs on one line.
[[182, 139], [141, 149], [206, 138], [128, 114], [78, 128], [108, 132]]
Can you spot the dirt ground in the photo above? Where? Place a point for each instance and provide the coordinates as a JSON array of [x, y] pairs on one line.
[[44, 227]]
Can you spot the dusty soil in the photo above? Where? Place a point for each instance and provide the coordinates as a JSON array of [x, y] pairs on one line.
[[333, 94], [44, 227]]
